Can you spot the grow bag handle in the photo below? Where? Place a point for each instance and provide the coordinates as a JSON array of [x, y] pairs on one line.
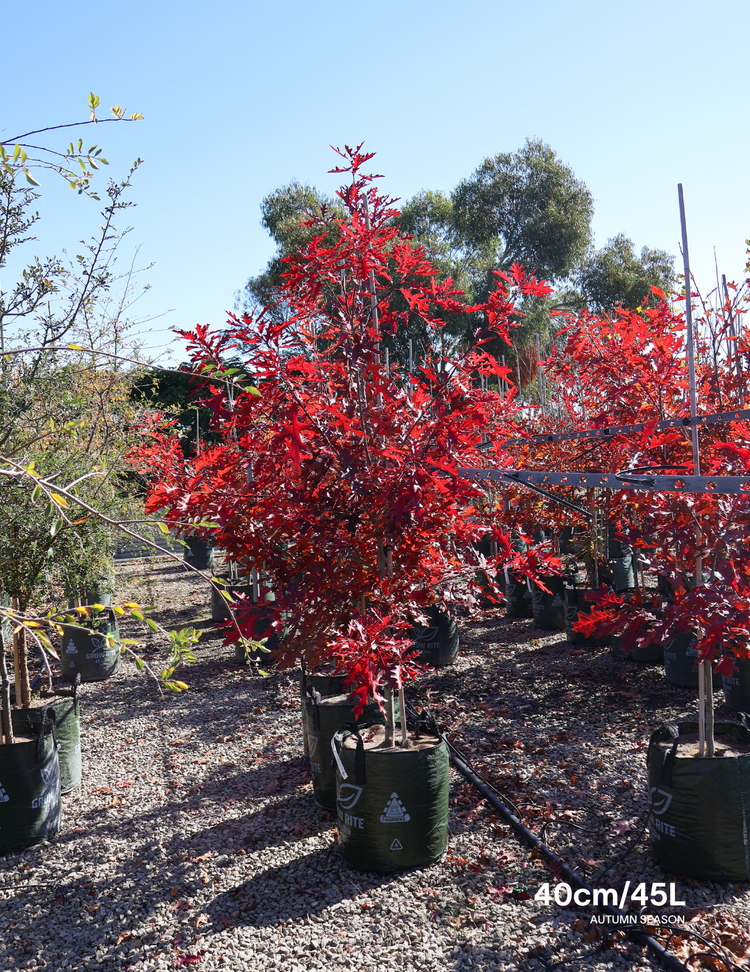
[[47, 714], [76, 700], [314, 696], [359, 755], [426, 723], [667, 766]]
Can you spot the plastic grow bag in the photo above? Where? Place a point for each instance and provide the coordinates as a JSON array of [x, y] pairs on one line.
[[392, 805], [518, 603], [681, 661], [88, 653], [27, 722], [549, 609], [700, 808], [324, 719], [437, 642], [30, 788], [737, 686]]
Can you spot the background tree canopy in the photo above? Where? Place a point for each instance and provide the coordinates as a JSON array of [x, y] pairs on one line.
[[523, 207]]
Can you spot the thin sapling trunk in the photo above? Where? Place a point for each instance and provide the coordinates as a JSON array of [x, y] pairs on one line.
[[6, 725]]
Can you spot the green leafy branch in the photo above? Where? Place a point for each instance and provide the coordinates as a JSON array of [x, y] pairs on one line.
[[14, 157]]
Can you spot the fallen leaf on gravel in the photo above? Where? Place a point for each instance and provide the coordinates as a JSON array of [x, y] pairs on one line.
[[103, 789], [124, 783], [226, 921], [80, 830], [176, 742], [200, 920], [510, 894], [623, 827], [122, 937], [204, 857], [187, 959], [174, 892]]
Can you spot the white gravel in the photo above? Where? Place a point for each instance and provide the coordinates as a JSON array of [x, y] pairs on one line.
[[194, 841]]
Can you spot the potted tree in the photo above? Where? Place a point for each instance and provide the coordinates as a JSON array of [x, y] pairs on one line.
[[337, 469]]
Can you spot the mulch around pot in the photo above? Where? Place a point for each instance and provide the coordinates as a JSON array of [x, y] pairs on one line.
[[194, 840]]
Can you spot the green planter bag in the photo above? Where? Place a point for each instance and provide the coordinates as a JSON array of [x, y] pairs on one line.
[[392, 804], [324, 719], [575, 604], [681, 662], [737, 686], [699, 819], [518, 603], [87, 653], [549, 609], [30, 788], [326, 685], [28, 722], [438, 642]]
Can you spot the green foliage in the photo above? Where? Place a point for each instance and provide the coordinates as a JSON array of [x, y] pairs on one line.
[[525, 207], [285, 213], [616, 276]]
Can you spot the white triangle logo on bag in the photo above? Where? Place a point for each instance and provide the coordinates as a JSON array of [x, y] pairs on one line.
[[71, 649], [397, 845], [3, 795], [395, 811], [47, 775]]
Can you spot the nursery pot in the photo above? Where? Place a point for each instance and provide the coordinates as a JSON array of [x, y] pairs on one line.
[[99, 591], [327, 685], [518, 603], [30, 788], [488, 597], [262, 627], [219, 604], [647, 653], [438, 642], [681, 662], [392, 804], [699, 820], [549, 609], [199, 553], [623, 576], [737, 686], [575, 604], [66, 706], [87, 653], [324, 718]]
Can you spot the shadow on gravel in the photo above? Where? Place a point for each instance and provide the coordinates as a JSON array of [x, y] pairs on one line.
[[300, 887]]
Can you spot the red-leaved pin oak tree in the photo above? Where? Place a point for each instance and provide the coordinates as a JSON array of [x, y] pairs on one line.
[[336, 470]]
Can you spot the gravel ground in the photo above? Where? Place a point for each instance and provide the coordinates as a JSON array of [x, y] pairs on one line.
[[195, 841]]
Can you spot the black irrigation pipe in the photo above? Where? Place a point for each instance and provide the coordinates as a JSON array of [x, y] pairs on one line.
[[640, 937]]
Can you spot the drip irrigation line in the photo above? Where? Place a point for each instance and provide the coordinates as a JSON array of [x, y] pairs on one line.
[[687, 421], [640, 937]]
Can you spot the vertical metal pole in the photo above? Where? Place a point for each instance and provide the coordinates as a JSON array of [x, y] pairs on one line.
[[539, 374], [705, 693]]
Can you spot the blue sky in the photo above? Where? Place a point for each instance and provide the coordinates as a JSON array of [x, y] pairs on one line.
[[240, 98]]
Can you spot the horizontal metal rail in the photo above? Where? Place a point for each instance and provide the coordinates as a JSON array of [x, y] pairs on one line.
[[611, 430], [601, 480]]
